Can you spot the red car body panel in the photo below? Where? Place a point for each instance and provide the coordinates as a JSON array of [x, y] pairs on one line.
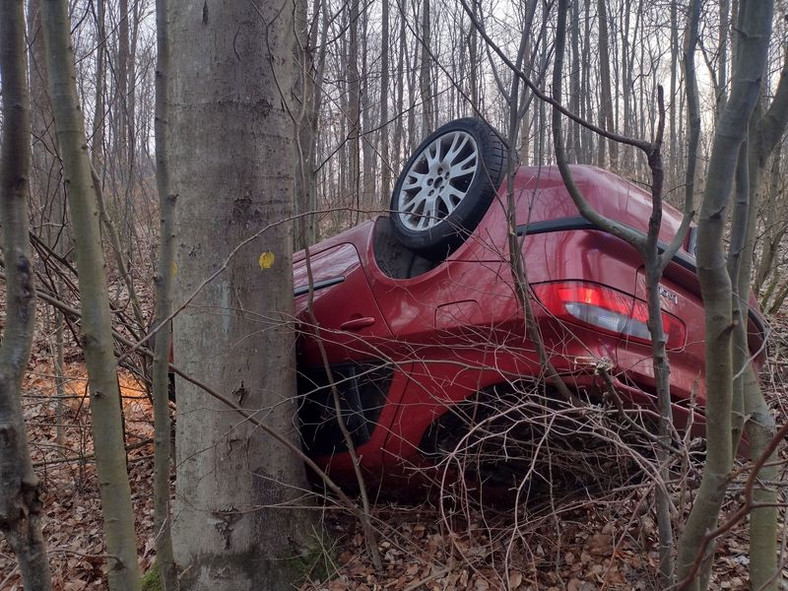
[[457, 329]]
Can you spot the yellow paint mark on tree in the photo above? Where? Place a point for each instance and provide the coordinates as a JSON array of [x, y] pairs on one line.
[[266, 260], [174, 268]]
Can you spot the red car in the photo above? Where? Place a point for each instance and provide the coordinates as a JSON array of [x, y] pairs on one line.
[[416, 313]]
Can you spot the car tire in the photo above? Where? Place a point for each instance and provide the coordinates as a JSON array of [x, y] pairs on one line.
[[447, 186]]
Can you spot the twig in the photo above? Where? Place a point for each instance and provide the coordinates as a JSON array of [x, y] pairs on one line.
[[86, 457], [436, 575]]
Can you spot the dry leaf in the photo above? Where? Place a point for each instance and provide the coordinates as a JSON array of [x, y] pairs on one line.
[[600, 544]]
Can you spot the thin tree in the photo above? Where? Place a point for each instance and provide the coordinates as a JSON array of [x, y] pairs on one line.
[[354, 107], [425, 69], [606, 118], [754, 32], [237, 524], [765, 130], [123, 569], [162, 341], [47, 195], [310, 55], [385, 77], [20, 489]]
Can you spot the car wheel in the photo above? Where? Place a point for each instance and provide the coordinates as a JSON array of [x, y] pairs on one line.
[[447, 186]]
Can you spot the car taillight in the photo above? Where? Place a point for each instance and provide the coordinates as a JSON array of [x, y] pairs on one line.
[[606, 309]]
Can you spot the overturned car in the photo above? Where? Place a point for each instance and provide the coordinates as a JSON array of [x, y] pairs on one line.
[[409, 317]]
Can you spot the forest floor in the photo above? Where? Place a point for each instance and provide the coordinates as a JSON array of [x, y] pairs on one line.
[[570, 540]]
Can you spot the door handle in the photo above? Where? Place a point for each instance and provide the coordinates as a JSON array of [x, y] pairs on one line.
[[358, 323]]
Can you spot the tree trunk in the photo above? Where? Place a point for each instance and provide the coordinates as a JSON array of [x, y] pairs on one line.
[[97, 141], [716, 288], [20, 489], [308, 91], [673, 152], [473, 59], [693, 106], [122, 89], [231, 165], [46, 188], [354, 111], [573, 129], [606, 96], [626, 82], [399, 131], [162, 436], [586, 108], [367, 122], [721, 89], [764, 137], [385, 65], [47, 195], [775, 227], [425, 71], [765, 141], [123, 570]]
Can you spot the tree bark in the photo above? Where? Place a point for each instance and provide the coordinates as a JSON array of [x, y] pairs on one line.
[[310, 53], [716, 288], [20, 489], [693, 106], [97, 141], [354, 110], [162, 341], [123, 570], [385, 76], [764, 143], [425, 71], [399, 125], [606, 96], [368, 120], [47, 194], [231, 158], [474, 64], [760, 426], [721, 88], [47, 198], [586, 104], [575, 97], [122, 89]]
